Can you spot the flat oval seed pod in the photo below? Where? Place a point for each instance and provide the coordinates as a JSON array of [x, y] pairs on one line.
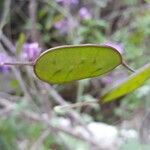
[[127, 86], [68, 63]]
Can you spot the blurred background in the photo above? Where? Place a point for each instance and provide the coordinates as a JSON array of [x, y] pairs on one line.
[[28, 120]]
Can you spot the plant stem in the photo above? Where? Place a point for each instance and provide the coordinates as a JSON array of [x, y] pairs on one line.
[[17, 63], [128, 67], [76, 105]]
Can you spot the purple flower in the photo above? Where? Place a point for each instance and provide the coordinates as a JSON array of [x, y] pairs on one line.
[[117, 46], [84, 13], [30, 51], [107, 79], [114, 78], [62, 25], [4, 58], [68, 2]]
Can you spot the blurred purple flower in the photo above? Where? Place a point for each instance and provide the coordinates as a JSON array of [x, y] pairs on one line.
[[30, 51], [119, 47], [114, 78], [62, 25], [84, 13], [107, 79], [68, 2], [4, 58]]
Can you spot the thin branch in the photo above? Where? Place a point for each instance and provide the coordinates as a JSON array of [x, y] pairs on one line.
[[41, 119], [54, 94], [5, 14], [76, 105], [44, 120], [128, 67], [32, 15], [57, 97], [21, 82], [17, 63], [8, 43]]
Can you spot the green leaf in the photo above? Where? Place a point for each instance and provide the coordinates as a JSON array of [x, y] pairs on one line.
[[68, 63], [20, 42], [127, 86]]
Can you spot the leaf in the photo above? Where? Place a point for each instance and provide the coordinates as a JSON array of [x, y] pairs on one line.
[[68, 63], [127, 86], [20, 42]]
